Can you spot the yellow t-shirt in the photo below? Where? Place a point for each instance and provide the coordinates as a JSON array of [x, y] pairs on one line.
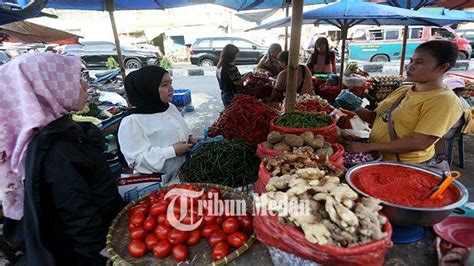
[[430, 113]]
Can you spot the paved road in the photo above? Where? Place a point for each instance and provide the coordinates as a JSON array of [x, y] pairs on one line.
[[206, 100]]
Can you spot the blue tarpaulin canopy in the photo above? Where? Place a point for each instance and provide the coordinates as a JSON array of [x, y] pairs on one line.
[[17, 13], [415, 4], [352, 12], [238, 5]]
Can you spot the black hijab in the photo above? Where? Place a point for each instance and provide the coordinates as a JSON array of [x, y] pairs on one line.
[[142, 90]]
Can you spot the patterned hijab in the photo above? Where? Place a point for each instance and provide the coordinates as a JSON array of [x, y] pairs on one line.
[[35, 89]]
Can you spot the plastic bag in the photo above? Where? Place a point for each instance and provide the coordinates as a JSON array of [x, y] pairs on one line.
[[287, 238], [282, 258], [329, 132], [353, 81]]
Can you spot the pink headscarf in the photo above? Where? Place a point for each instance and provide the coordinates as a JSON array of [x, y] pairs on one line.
[[35, 89]]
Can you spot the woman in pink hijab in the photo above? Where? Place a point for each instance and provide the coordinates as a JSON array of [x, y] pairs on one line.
[[56, 189]]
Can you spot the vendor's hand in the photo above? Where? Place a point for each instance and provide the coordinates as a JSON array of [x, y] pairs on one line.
[[195, 140], [352, 146], [181, 148]]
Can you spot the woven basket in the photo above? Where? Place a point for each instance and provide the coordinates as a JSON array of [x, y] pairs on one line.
[[118, 237]]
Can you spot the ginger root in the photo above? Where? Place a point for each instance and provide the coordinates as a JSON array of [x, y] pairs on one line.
[[317, 233], [370, 221], [310, 173], [279, 183]]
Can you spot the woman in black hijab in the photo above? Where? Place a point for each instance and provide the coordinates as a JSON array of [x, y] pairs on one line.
[[153, 134]]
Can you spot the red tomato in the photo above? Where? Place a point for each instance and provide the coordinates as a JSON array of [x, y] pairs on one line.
[[161, 231], [191, 218], [219, 220], [142, 207], [158, 208], [207, 230], [194, 237], [137, 248], [138, 233], [151, 240], [177, 237], [246, 224], [149, 223], [166, 223], [237, 239], [216, 237], [231, 225], [220, 250], [161, 218], [152, 198], [131, 226], [162, 249], [137, 218], [180, 253], [208, 219]]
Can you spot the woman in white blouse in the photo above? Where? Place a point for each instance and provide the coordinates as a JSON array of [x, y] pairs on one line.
[[153, 134]]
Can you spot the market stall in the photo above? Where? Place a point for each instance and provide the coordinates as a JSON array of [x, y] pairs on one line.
[[302, 159]]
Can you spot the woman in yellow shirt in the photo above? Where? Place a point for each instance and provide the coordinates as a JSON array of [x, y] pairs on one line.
[[427, 109]]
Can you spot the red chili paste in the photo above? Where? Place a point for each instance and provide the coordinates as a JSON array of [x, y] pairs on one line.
[[402, 186]]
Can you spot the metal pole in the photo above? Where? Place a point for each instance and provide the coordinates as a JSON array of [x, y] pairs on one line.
[[344, 29], [109, 6], [286, 27], [293, 61], [404, 50]]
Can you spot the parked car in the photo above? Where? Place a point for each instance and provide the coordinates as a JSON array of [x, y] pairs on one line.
[[4, 58], [469, 35], [95, 54], [383, 44], [206, 51]]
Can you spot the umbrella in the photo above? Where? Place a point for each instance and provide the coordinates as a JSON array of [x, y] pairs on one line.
[[238, 5], [12, 13], [416, 4], [348, 13], [27, 32], [112, 5]]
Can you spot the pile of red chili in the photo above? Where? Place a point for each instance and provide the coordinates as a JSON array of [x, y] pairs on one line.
[[246, 119], [401, 185]]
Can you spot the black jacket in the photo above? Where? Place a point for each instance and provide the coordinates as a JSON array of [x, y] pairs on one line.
[[71, 197]]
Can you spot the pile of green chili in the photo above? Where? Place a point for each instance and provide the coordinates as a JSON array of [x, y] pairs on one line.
[[229, 162], [303, 120]]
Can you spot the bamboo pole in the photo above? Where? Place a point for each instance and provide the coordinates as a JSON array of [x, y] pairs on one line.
[[404, 50], [404, 43], [344, 29], [109, 6], [293, 61], [286, 27]]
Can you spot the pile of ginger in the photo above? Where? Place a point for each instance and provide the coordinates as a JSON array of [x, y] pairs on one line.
[[336, 215]]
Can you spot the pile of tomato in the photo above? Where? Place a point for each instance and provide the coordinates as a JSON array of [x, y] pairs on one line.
[[150, 229]]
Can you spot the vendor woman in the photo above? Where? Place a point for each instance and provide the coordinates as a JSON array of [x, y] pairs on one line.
[[425, 112], [303, 80], [269, 63], [153, 136]]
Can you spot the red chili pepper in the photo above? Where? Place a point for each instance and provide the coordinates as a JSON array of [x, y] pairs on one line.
[[245, 118]]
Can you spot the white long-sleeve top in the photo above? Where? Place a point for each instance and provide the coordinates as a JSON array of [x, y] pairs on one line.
[[147, 140]]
